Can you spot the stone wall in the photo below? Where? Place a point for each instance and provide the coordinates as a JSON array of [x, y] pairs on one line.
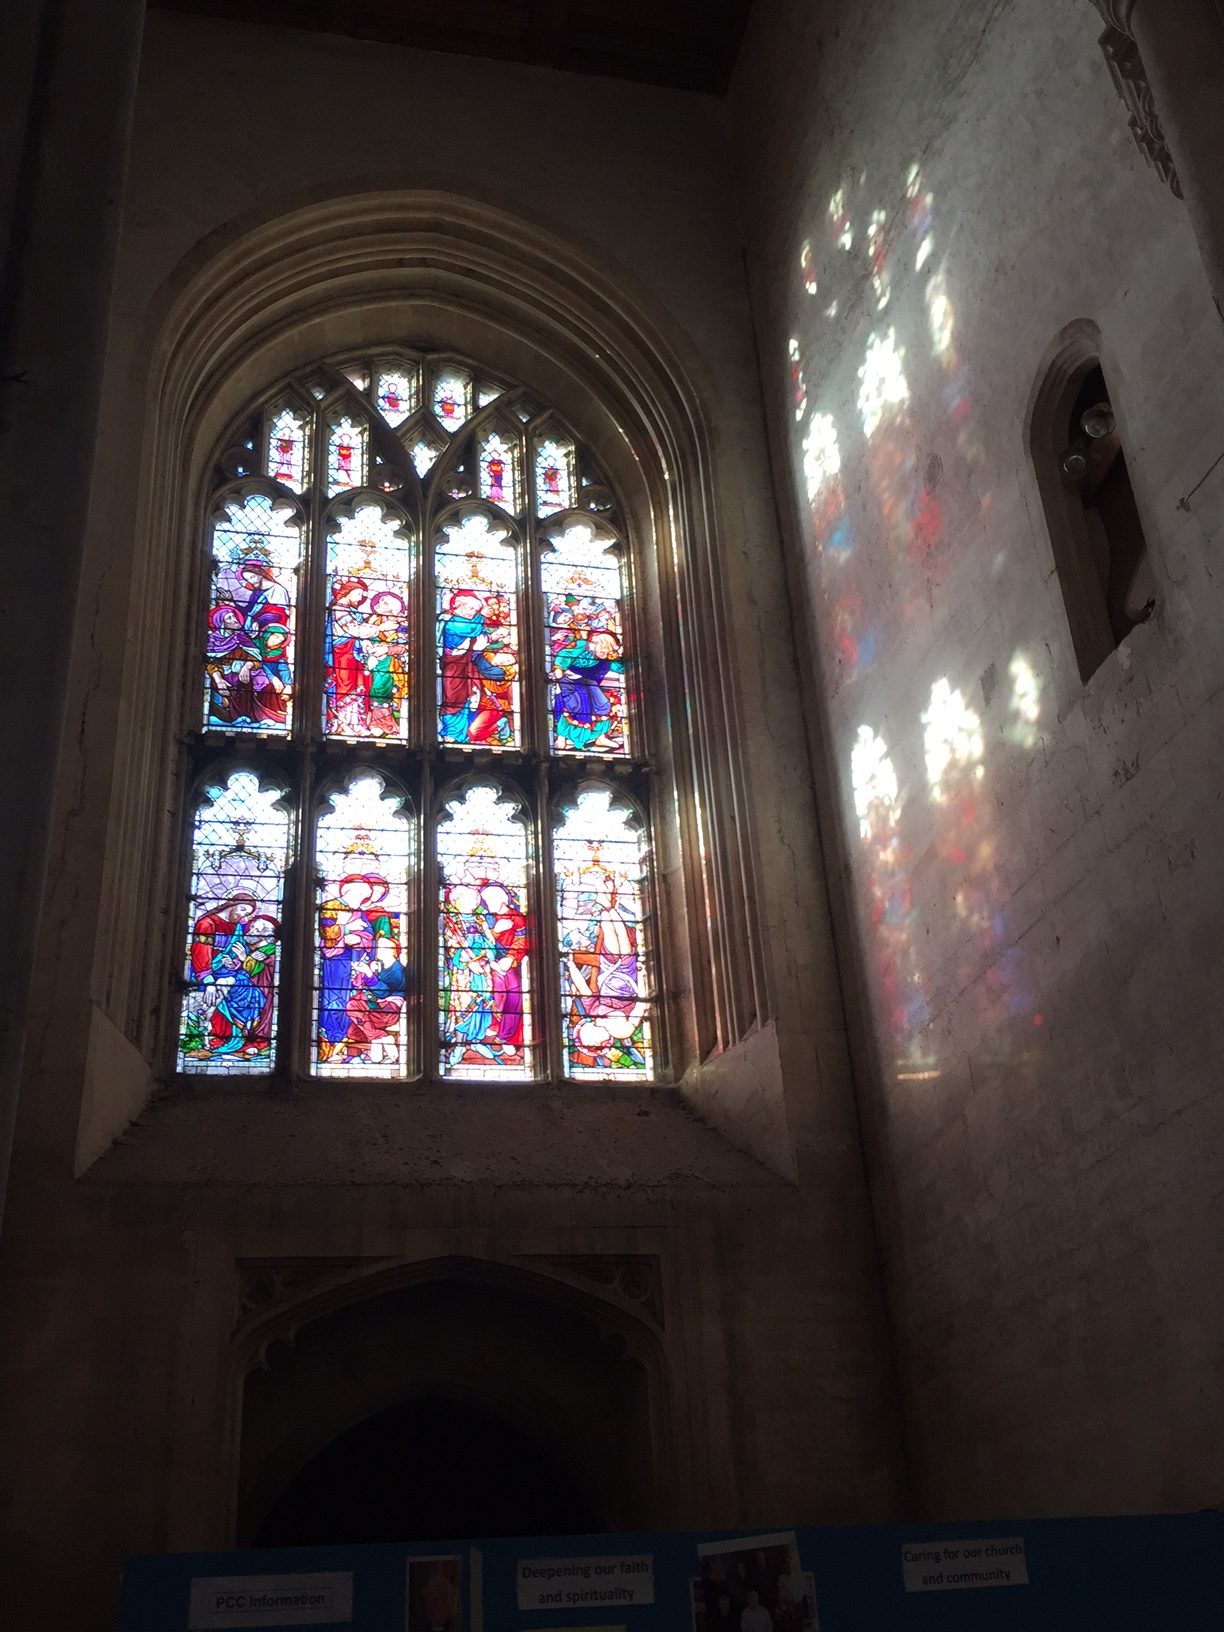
[[1031, 878], [123, 1268]]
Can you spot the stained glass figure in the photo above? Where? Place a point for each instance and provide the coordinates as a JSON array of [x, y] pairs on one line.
[[581, 579], [423, 454], [554, 476], [347, 455], [363, 858], [606, 992], [249, 680], [452, 398], [499, 463], [396, 393], [484, 939], [240, 843], [478, 650], [368, 637], [288, 447]]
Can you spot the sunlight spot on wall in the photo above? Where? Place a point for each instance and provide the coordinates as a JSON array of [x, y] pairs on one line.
[[877, 251], [807, 267], [883, 384], [925, 250], [952, 740], [821, 455], [1025, 702], [798, 384], [942, 318], [874, 781], [839, 218]]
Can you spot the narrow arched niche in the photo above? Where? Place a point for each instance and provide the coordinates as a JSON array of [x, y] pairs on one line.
[[565, 1388], [1078, 450]]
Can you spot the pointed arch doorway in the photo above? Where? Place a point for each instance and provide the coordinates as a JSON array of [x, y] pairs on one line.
[[449, 1399], [427, 1470]]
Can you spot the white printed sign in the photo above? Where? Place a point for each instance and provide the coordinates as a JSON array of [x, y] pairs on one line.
[[585, 1583], [958, 1566], [320, 1599]]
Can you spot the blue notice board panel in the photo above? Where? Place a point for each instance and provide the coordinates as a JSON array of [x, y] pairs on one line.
[[1056, 1575]]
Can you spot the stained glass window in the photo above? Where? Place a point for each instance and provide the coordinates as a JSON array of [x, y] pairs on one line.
[[499, 480], [347, 458], [248, 664], [581, 578], [367, 648], [240, 840], [363, 857], [426, 571], [484, 938], [288, 447], [452, 398], [396, 393], [600, 865], [554, 476], [476, 569]]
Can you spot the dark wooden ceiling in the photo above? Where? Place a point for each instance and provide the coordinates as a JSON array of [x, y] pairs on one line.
[[688, 43]]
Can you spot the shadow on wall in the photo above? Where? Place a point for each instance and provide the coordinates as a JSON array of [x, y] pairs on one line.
[[450, 1406], [425, 1471]]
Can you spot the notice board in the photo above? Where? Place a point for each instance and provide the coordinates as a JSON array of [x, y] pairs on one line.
[[1062, 1575]]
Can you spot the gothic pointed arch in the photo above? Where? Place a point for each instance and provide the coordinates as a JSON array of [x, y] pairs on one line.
[[393, 277]]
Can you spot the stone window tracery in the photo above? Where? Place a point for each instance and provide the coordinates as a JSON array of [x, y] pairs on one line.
[[419, 840]]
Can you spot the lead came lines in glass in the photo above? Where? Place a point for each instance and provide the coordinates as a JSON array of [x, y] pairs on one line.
[[341, 577], [484, 938], [478, 662], [249, 655], [229, 1012], [363, 858], [368, 639], [600, 866]]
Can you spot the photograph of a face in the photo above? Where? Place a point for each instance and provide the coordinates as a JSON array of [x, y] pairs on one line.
[[435, 1601]]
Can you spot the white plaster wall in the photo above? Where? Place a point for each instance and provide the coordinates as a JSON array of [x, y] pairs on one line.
[[1035, 919]]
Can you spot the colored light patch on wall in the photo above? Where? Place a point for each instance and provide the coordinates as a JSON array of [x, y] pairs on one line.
[[484, 939], [368, 635], [606, 991], [240, 840], [363, 859], [249, 655]]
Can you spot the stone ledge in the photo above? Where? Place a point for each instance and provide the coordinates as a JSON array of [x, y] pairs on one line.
[[424, 1136]]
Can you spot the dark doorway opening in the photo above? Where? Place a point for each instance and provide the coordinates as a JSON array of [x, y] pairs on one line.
[[428, 1470]]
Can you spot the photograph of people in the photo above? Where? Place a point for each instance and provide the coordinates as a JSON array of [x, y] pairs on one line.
[[753, 1585]]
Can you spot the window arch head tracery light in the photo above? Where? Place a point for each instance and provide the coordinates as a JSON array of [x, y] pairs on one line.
[[431, 854]]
